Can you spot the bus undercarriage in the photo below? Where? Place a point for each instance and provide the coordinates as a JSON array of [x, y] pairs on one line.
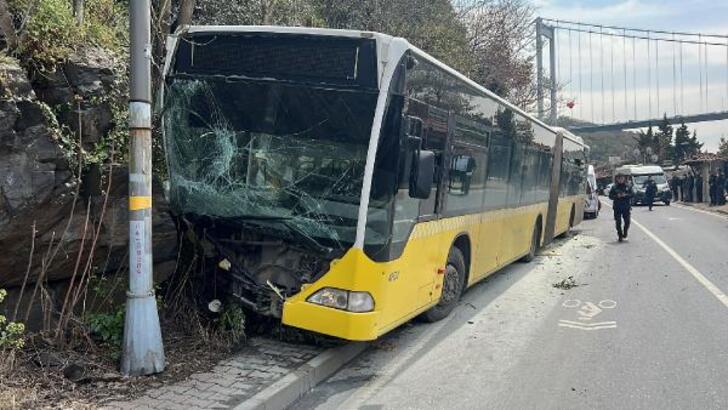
[[254, 268]]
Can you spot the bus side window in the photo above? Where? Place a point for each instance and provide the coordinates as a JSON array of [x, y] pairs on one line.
[[499, 164]]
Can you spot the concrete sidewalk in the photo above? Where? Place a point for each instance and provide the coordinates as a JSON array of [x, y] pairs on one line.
[[268, 374], [723, 209]]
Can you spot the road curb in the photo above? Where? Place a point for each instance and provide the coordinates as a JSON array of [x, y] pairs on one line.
[[293, 386], [715, 211]]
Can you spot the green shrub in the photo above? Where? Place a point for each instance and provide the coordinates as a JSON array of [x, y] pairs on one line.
[[11, 333], [109, 327], [51, 33], [232, 323]]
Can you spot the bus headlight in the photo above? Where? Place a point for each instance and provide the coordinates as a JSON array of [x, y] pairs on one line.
[[358, 302]]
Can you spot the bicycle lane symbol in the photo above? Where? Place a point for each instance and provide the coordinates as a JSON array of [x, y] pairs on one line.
[[586, 312]]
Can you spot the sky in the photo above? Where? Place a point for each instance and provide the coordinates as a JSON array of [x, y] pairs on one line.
[[614, 61]]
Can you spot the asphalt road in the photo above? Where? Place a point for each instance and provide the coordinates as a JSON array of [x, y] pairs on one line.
[[646, 328]]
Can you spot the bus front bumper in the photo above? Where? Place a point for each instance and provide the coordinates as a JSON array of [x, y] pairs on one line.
[[330, 321]]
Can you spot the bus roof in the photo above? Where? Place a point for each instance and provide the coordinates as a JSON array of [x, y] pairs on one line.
[[647, 170], [385, 38], [286, 30]]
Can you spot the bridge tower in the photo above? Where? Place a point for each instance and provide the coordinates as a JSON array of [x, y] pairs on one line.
[[544, 31]]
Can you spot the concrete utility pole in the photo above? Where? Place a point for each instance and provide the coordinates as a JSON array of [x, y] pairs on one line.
[[539, 68], [143, 352], [543, 30]]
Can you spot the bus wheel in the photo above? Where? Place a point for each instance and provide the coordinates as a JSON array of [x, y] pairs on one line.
[[452, 287], [535, 244]]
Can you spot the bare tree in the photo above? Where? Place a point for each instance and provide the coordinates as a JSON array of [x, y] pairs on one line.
[[500, 35], [186, 10], [6, 26], [78, 11]]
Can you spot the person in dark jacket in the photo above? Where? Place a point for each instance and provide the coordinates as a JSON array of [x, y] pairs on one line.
[[713, 189], [650, 191], [674, 183], [699, 189], [721, 180], [691, 185], [621, 194]]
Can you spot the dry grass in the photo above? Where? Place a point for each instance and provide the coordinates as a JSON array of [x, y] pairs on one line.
[[37, 380]]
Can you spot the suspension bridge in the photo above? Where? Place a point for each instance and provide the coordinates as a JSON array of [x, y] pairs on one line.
[[607, 78]]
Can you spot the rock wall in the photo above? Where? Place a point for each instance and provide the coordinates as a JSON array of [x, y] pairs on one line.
[[37, 186]]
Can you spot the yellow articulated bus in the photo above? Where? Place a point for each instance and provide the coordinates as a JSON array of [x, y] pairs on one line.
[[345, 182]]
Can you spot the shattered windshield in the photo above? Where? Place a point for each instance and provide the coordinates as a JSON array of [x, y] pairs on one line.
[[275, 154]]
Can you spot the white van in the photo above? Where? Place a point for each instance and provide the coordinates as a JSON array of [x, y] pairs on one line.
[[639, 177], [592, 206]]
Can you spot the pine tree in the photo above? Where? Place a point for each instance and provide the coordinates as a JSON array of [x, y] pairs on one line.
[[663, 140], [646, 140], [694, 146], [682, 141], [723, 148]]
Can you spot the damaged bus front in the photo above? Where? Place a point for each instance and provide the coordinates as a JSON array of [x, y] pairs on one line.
[[267, 137]]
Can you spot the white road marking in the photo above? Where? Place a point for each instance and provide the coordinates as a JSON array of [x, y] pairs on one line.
[[607, 304], [588, 311], [571, 322], [586, 327], [571, 303], [719, 294]]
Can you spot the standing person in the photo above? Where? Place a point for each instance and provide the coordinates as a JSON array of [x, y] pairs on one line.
[[713, 189], [691, 184], [683, 185], [650, 191], [721, 181], [699, 188], [621, 194], [674, 183]]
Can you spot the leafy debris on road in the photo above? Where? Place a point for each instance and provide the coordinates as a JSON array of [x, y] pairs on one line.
[[566, 284]]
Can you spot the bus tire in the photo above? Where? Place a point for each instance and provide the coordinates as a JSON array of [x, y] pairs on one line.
[[452, 287], [535, 243]]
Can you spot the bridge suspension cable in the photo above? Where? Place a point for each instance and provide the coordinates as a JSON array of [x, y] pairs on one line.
[[666, 78]]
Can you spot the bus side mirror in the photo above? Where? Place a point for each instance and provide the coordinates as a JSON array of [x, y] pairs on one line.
[[423, 174]]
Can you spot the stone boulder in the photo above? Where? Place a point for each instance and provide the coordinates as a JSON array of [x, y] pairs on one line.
[[36, 186], [80, 89], [29, 155]]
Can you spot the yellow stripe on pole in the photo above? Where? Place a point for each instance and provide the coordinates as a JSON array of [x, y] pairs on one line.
[[137, 203]]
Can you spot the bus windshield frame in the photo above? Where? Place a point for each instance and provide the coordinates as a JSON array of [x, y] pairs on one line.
[[284, 153]]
